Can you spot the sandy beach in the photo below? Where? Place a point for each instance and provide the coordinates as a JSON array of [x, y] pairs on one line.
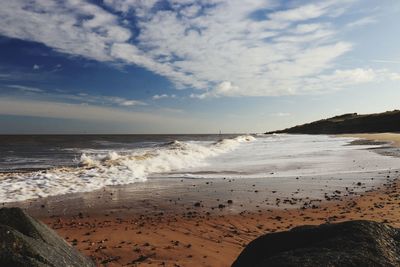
[[194, 238], [393, 138], [204, 222]]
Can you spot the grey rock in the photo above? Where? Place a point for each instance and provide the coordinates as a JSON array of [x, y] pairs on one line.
[[25, 241], [351, 243]]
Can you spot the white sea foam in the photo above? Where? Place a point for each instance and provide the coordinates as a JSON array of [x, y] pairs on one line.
[[280, 158], [99, 168]]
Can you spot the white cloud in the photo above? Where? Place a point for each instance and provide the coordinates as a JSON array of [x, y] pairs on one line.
[[223, 89], [395, 76], [362, 22], [190, 11], [350, 77], [156, 97], [306, 12], [25, 88], [120, 101], [215, 46], [140, 7], [35, 67], [356, 75], [161, 96], [308, 28], [80, 98], [74, 26], [98, 99], [131, 103]]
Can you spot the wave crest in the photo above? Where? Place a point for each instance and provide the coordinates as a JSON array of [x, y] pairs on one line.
[[102, 168], [167, 157]]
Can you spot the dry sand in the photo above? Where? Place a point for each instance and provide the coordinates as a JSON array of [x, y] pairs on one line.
[[204, 231], [393, 138]]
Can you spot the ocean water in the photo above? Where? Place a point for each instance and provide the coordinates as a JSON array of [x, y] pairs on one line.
[[40, 166]]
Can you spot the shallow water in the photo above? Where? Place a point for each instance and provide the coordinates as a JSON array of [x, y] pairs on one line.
[[36, 167]]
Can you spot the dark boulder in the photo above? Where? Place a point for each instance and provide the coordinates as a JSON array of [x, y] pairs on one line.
[[351, 243], [25, 241]]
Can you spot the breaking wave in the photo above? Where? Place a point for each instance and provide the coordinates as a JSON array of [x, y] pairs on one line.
[[100, 168]]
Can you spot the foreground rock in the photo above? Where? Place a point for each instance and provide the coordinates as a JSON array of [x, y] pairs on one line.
[[27, 242], [352, 243]]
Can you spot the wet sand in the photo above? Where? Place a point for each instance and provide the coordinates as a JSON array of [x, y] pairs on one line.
[[201, 236], [204, 222]]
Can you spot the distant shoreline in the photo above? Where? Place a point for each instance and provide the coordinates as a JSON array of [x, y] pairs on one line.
[[350, 123]]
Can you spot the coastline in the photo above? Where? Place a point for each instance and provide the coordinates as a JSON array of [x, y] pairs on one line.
[[187, 226]]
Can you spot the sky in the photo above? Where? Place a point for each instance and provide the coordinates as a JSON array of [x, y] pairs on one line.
[[186, 66]]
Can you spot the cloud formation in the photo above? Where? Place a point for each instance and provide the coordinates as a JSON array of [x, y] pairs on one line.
[[156, 97], [68, 97], [101, 100], [219, 47], [25, 88]]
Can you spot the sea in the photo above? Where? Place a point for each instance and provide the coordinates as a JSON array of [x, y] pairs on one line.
[[49, 165]]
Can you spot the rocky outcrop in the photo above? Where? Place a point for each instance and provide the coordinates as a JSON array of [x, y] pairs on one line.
[[352, 243], [25, 241]]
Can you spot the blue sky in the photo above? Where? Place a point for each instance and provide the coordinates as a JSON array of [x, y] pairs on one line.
[[180, 66]]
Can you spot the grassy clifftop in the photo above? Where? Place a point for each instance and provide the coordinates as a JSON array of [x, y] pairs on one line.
[[350, 123]]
